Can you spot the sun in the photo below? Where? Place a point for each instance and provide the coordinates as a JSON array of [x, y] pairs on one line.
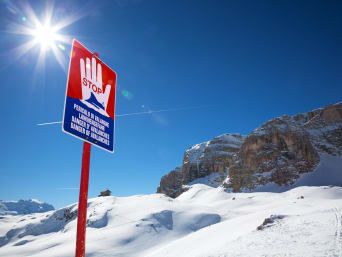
[[45, 35], [48, 38]]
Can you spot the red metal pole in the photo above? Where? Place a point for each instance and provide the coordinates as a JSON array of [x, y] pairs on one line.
[[82, 202]]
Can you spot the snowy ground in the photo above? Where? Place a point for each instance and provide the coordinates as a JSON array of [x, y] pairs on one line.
[[202, 222]]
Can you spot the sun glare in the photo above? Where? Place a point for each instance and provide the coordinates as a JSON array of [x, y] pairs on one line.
[[45, 35]]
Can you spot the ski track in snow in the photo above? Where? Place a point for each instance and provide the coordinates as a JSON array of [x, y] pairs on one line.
[[338, 232]]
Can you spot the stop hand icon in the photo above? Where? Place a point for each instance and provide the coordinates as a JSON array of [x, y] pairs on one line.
[[92, 83]]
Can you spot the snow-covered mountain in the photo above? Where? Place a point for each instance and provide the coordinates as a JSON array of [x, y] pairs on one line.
[[281, 154], [202, 222], [275, 192], [24, 207]]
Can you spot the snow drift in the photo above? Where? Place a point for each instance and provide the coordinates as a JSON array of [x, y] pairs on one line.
[[202, 222]]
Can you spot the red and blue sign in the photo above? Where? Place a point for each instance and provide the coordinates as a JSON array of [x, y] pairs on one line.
[[90, 99]]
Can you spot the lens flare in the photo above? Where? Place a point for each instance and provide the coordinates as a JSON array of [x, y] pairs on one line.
[[60, 46], [128, 95]]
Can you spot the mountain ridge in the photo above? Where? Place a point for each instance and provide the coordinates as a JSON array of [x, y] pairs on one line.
[[280, 151], [23, 207]]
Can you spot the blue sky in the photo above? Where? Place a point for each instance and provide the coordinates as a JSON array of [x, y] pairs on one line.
[[242, 62]]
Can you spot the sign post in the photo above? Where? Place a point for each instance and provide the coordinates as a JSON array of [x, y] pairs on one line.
[[82, 202], [88, 115]]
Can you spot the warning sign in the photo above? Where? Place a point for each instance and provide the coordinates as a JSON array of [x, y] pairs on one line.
[[90, 99]]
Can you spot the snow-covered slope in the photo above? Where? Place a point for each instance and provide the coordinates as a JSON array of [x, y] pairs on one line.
[[24, 207], [202, 222]]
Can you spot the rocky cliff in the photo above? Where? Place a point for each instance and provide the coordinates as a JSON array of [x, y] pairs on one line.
[[278, 152]]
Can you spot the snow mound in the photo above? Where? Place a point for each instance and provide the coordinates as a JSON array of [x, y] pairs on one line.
[[202, 222]]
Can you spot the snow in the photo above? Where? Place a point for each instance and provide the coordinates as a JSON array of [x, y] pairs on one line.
[[3, 208], [23, 207], [36, 201], [233, 138], [325, 129], [196, 152], [202, 222], [214, 179]]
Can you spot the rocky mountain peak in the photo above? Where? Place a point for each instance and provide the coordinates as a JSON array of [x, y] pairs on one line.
[[279, 151]]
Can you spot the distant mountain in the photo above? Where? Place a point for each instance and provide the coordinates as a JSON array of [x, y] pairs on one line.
[[283, 153], [24, 207]]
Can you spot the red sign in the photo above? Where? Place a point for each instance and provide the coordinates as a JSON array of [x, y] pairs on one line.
[[90, 99]]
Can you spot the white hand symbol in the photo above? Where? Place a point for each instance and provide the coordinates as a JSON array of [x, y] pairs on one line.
[[92, 85]]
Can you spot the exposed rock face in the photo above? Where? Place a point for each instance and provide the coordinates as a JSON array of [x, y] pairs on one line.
[[171, 183], [201, 160], [279, 151], [332, 113], [276, 152], [215, 155]]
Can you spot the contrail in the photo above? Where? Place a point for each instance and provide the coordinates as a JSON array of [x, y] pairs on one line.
[[139, 113], [49, 123]]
